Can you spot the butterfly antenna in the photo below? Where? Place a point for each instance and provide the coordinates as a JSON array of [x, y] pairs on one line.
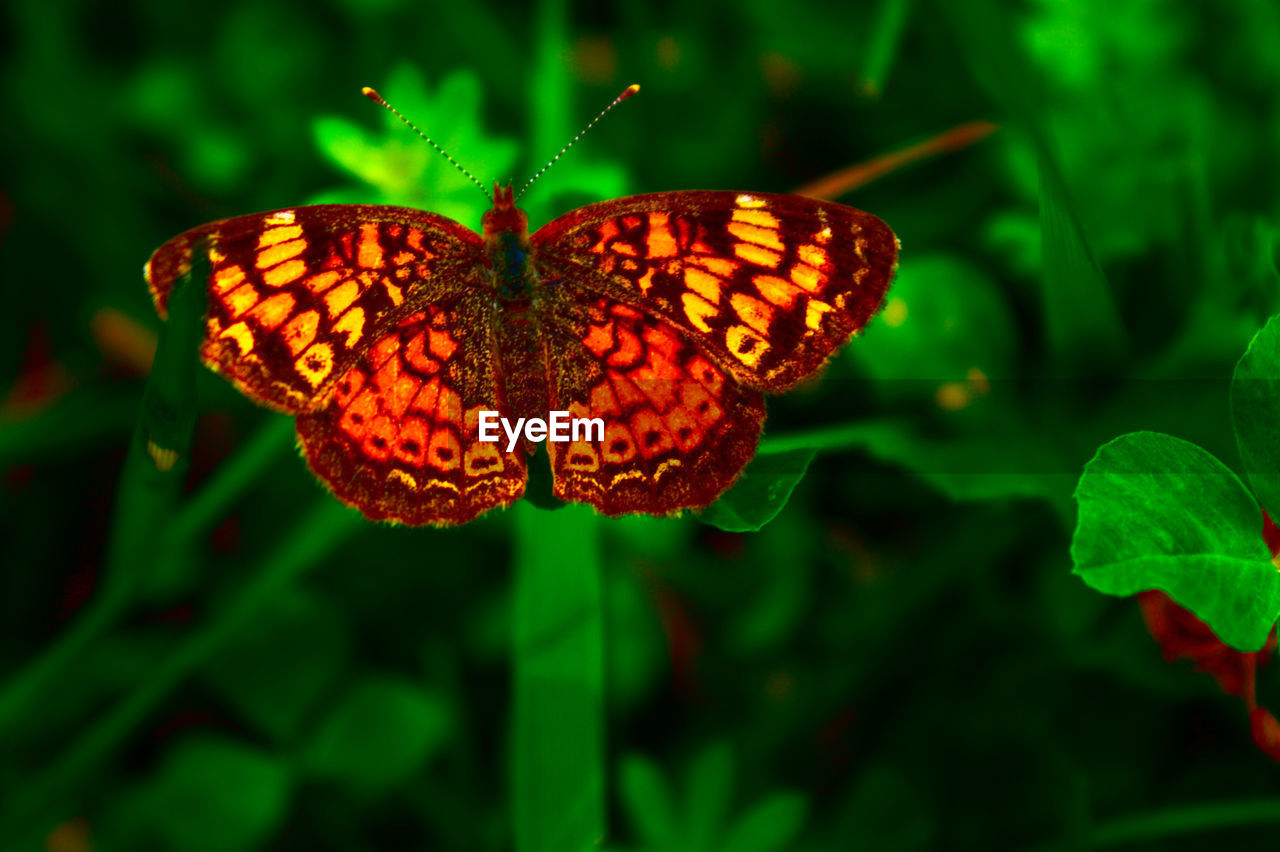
[[628, 92], [377, 99]]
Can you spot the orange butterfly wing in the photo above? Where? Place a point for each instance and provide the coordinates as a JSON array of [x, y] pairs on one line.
[[398, 438], [672, 311], [296, 295], [769, 286]]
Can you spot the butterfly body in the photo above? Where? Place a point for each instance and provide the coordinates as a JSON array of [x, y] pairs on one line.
[[387, 331]]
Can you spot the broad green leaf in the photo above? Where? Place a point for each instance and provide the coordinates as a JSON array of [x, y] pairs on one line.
[[769, 826], [1255, 411], [761, 493], [1157, 512], [217, 795], [643, 791], [400, 168], [384, 731], [275, 667]]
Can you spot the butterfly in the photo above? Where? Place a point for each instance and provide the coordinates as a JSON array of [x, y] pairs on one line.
[[391, 333]]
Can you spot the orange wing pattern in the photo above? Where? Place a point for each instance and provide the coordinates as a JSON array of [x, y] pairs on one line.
[[677, 429], [398, 437], [296, 295], [768, 285]]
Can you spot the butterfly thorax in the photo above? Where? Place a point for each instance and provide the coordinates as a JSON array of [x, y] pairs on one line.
[[506, 239]]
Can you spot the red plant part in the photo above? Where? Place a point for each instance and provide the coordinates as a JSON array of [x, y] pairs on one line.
[[1181, 635]]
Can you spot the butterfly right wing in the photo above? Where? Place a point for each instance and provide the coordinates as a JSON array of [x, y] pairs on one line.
[[295, 296]]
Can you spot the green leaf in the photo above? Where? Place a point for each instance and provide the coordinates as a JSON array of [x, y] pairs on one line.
[[1004, 464], [275, 667], [558, 748], [1157, 512], [643, 791], [397, 167], [770, 826], [381, 733], [217, 795], [761, 493], [1255, 411]]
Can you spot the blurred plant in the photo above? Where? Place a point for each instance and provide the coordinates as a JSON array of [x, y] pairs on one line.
[[696, 817]]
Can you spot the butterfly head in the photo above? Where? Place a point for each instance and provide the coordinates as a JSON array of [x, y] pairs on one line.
[[504, 216]]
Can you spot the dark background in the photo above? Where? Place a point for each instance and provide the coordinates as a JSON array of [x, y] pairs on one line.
[[901, 660]]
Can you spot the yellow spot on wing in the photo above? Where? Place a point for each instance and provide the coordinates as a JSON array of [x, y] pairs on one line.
[[242, 299], [757, 255], [776, 290], [745, 345], [705, 285], [340, 298], [823, 237], [403, 476], [697, 309], [766, 237], [759, 218], [806, 277], [227, 279], [322, 281], [316, 363], [279, 253], [813, 314], [243, 337], [369, 253], [281, 217], [752, 311], [749, 201], [661, 243], [301, 330], [721, 266], [274, 310], [812, 255], [284, 273], [646, 280], [352, 322], [275, 236]]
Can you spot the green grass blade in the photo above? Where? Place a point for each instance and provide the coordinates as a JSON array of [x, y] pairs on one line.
[[558, 759], [882, 47], [149, 488], [314, 537], [1183, 820]]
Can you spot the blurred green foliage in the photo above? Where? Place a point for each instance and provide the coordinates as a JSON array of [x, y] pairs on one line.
[[898, 658]]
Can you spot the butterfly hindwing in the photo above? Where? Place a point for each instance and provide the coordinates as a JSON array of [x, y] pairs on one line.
[[770, 285], [675, 428], [398, 438], [296, 295]]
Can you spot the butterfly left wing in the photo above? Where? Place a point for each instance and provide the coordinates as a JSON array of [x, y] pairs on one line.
[[769, 285], [295, 296], [398, 438]]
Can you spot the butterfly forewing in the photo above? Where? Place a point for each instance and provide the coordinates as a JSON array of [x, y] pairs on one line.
[[769, 286], [295, 296]]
